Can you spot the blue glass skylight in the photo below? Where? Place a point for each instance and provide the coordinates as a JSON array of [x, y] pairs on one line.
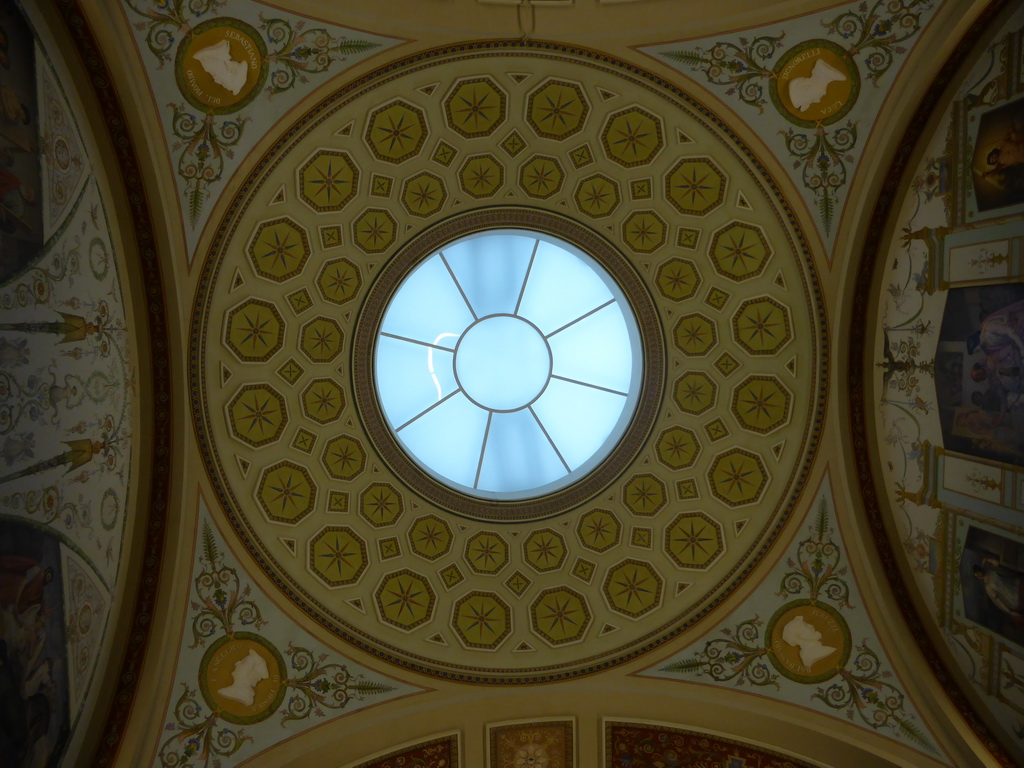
[[508, 364]]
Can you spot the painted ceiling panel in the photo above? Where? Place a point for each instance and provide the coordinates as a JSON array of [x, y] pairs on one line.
[[793, 640], [811, 87], [946, 381], [222, 72], [246, 677], [69, 420]]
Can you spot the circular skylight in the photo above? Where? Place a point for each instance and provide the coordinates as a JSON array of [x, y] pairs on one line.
[[508, 364]]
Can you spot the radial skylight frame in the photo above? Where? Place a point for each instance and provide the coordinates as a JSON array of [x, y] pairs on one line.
[[531, 369]]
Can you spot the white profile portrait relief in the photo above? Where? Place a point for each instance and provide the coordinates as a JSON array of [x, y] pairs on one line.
[[805, 92], [798, 632], [248, 672], [225, 71]]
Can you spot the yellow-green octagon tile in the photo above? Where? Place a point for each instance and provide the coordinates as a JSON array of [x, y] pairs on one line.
[[678, 448], [761, 403], [254, 331], [738, 477], [328, 181], [599, 530], [321, 339], [374, 230], [560, 615], [381, 504], [344, 458], [279, 249], [430, 537], [544, 550], [339, 281], [644, 231], [481, 175], [597, 196], [541, 176], [695, 392], [557, 109], [632, 137], [678, 279], [475, 107], [761, 326], [633, 588], [424, 194], [486, 552], [695, 186], [286, 492], [257, 415], [396, 131], [405, 599], [739, 251], [644, 495], [323, 400], [695, 334], [337, 555], [694, 540], [481, 620]]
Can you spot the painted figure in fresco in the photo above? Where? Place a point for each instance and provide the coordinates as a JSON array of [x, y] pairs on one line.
[[1008, 152], [985, 429], [1004, 385], [999, 158], [14, 200], [248, 672], [999, 335], [24, 721], [800, 633], [26, 674], [12, 109], [22, 581], [1003, 588]]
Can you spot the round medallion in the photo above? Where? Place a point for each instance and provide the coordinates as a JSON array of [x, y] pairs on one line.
[[221, 65], [241, 676], [815, 83], [61, 153], [808, 641]]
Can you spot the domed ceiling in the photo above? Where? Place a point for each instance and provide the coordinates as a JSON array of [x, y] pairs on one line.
[[796, 551], [488, 136]]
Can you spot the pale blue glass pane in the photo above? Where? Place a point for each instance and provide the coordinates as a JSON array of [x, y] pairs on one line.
[[491, 270], [448, 439], [502, 363], [560, 289], [518, 457], [428, 305], [405, 383], [596, 350], [577, 418]]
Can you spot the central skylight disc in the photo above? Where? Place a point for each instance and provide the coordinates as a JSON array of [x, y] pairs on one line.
[[508, 364], [503, 363]]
